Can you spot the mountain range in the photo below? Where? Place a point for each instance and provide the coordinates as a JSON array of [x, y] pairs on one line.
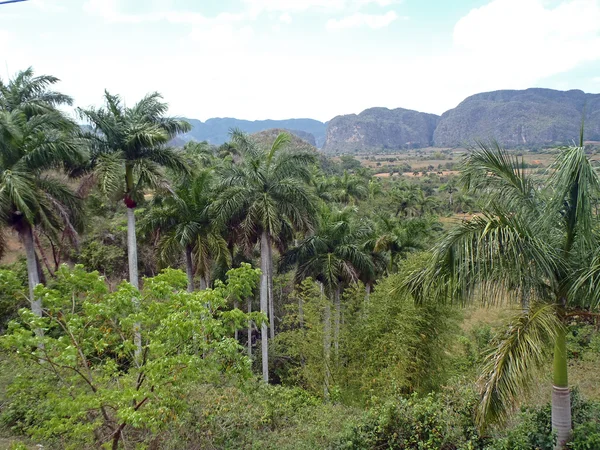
[[216, 131], [530, 118]]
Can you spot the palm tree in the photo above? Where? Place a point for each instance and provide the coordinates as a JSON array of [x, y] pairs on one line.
[[184, 226], [266, 196], [37, 141], [408, 198], [350, 188], [400, 237], [533, 243], [129, 150], [334, 256]]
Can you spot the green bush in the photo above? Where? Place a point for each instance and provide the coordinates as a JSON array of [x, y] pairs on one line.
[[83, 381], [433, 422]]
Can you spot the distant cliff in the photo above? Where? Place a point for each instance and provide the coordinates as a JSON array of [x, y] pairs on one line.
[[380, 129], [528, 118]]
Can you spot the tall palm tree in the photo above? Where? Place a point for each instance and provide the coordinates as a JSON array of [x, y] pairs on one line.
[[266, 196], [184, 225], [533, 243], [37, 141], [129, 151], [334, 256]]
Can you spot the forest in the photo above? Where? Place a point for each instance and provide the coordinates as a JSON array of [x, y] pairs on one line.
[[259, 294]]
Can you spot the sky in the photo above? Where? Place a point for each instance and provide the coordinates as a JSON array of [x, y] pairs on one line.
[[279, 59]]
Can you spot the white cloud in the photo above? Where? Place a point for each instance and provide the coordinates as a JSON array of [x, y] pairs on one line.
[[374, 21], [285, 18], [221, 37], [109, 10], [258, 6], [5, 39], [48, 6], [517, 42]]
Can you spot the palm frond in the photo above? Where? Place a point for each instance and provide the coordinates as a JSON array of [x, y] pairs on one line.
[[509, 369], [496, 257], [491, 169]]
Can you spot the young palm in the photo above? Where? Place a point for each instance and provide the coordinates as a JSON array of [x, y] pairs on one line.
[[531, 244], [129, 151], [36, 142], [185, 226], [266, 197]]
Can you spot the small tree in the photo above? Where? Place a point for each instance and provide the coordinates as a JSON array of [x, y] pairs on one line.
[[82, 383]]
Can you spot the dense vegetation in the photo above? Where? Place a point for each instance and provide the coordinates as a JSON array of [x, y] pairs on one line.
[[279, 299]]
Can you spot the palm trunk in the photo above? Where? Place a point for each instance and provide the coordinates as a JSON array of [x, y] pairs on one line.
[[133, 276], [235, 333], [249, 329], [26, 234], [271, 299], [189, 268], [132, 249], [326, 341], [561, 398], [264, 303], [337, 316], [202, 283]]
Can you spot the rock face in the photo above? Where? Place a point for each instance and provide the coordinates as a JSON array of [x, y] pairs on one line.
[[216, 131], [528, 118], [380, 129]]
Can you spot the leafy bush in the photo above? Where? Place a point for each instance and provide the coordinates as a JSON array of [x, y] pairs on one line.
[[13, 295], [83, 380], [433, 422]]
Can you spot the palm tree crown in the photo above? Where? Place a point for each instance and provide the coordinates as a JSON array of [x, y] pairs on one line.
[[129, 145], [185, 225]]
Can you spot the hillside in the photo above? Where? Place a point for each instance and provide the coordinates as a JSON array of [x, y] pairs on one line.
[[380, 129], [528, 118], [216, 131], [267, 137]]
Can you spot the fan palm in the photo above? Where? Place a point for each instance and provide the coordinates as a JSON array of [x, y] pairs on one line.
[[36, 142], [184, 226], [266, 196], [129, 151], [532, 243]]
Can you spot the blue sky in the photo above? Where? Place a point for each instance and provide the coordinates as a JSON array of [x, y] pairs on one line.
[[257, 59]]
